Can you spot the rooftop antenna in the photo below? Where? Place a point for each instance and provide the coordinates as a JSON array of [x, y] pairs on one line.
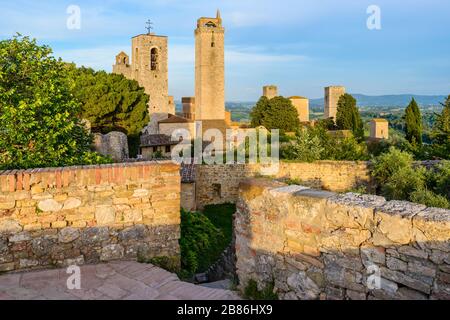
[[149, 26]]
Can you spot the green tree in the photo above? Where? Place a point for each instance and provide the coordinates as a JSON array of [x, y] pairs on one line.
[[413, 123], [111, 103], [38, 113], [348, 117], [276, 113], [441, 132]]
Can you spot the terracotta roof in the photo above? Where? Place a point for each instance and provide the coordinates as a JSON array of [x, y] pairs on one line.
[[175, 119], [379, 120], [297, 97], [187, 173], [154, 140]]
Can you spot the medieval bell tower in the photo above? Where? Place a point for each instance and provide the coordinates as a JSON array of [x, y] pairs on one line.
[[209, 69]]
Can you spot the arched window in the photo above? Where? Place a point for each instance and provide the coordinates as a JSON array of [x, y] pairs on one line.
[[154, 59]]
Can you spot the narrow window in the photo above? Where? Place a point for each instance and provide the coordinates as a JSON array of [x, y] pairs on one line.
[[167, 149], [154, 59]]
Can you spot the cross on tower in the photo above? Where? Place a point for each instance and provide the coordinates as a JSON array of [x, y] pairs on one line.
[[149, 26]]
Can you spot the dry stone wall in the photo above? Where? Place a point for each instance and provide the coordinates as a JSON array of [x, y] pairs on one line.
[[320, 245], [220, 183], [89, 214]]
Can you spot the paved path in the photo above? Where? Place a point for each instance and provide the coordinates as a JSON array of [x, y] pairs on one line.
[[121, 280]]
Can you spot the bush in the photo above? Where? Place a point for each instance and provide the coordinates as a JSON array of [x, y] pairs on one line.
[[38, 113], [385, 165], [430, 199], [200, 242], [403, 182]]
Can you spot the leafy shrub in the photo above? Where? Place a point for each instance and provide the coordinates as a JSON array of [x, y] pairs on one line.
[[38, 113], [430, 199], [403, 182], [200, 242], [385, 165]]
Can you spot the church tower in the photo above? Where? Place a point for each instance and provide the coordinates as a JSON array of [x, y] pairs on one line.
[[150, 68], [209, 69]]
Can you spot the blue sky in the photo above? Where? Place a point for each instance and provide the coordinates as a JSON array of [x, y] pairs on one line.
[[301, 46]]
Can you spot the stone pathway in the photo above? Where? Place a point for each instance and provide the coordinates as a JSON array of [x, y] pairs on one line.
[[119, 280]]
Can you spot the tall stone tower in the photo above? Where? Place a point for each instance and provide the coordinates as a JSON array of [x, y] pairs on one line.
[[150, 68], [209, 69], [332, 95]]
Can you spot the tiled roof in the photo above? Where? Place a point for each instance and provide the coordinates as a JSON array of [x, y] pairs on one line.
[[154, 140], [379, 120], [175, 119]]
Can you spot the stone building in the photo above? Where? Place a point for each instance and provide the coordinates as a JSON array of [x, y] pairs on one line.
[[270, 91], [210, 69], [156, 146], [332, 95], [302, 106], [149, 67], [379, 129], [188, 109]]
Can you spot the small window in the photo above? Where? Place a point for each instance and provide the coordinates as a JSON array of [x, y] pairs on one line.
[[155, 149], [167, 149], [217, 190], [124, 60], [213, 44], [154, 59]]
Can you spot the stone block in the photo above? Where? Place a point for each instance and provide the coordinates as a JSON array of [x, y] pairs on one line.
[[49, 205], [105, 215]]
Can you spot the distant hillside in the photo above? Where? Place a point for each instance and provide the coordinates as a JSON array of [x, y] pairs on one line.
[[399, 100]]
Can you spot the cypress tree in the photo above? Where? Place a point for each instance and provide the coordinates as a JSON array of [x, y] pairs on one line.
[[348, 117], [413, 123]]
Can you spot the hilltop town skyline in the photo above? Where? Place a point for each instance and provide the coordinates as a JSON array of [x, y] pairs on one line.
[[311, 47]]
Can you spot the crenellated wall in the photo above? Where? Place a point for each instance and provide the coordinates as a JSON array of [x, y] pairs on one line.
[[87, 214], [320, 245]]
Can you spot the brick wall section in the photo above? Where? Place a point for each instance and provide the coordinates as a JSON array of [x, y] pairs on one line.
[[87, 214], [320, 245], [338, 176]]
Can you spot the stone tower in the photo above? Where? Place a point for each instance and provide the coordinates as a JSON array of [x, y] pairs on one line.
[[379, 129], [332, 95], [122, 65], [209, 69], [270, 91], [302, 106], [150, 69]]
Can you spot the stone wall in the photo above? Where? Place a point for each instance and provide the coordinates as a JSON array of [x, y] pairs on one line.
[[89, 214], [320, 245], [338, 176], [113, 144]]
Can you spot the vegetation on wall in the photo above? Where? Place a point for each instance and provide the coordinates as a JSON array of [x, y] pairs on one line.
[[400, 179], [204, 236], [315, 143], [39, 116]]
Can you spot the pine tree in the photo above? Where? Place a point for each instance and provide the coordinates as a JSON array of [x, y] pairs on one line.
[[348, 117], [413, 123]]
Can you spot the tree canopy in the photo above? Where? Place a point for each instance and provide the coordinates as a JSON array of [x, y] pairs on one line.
[[110, 101], [38, 113], [413, 123], [348, 117], [276, 113], [441, 132]]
